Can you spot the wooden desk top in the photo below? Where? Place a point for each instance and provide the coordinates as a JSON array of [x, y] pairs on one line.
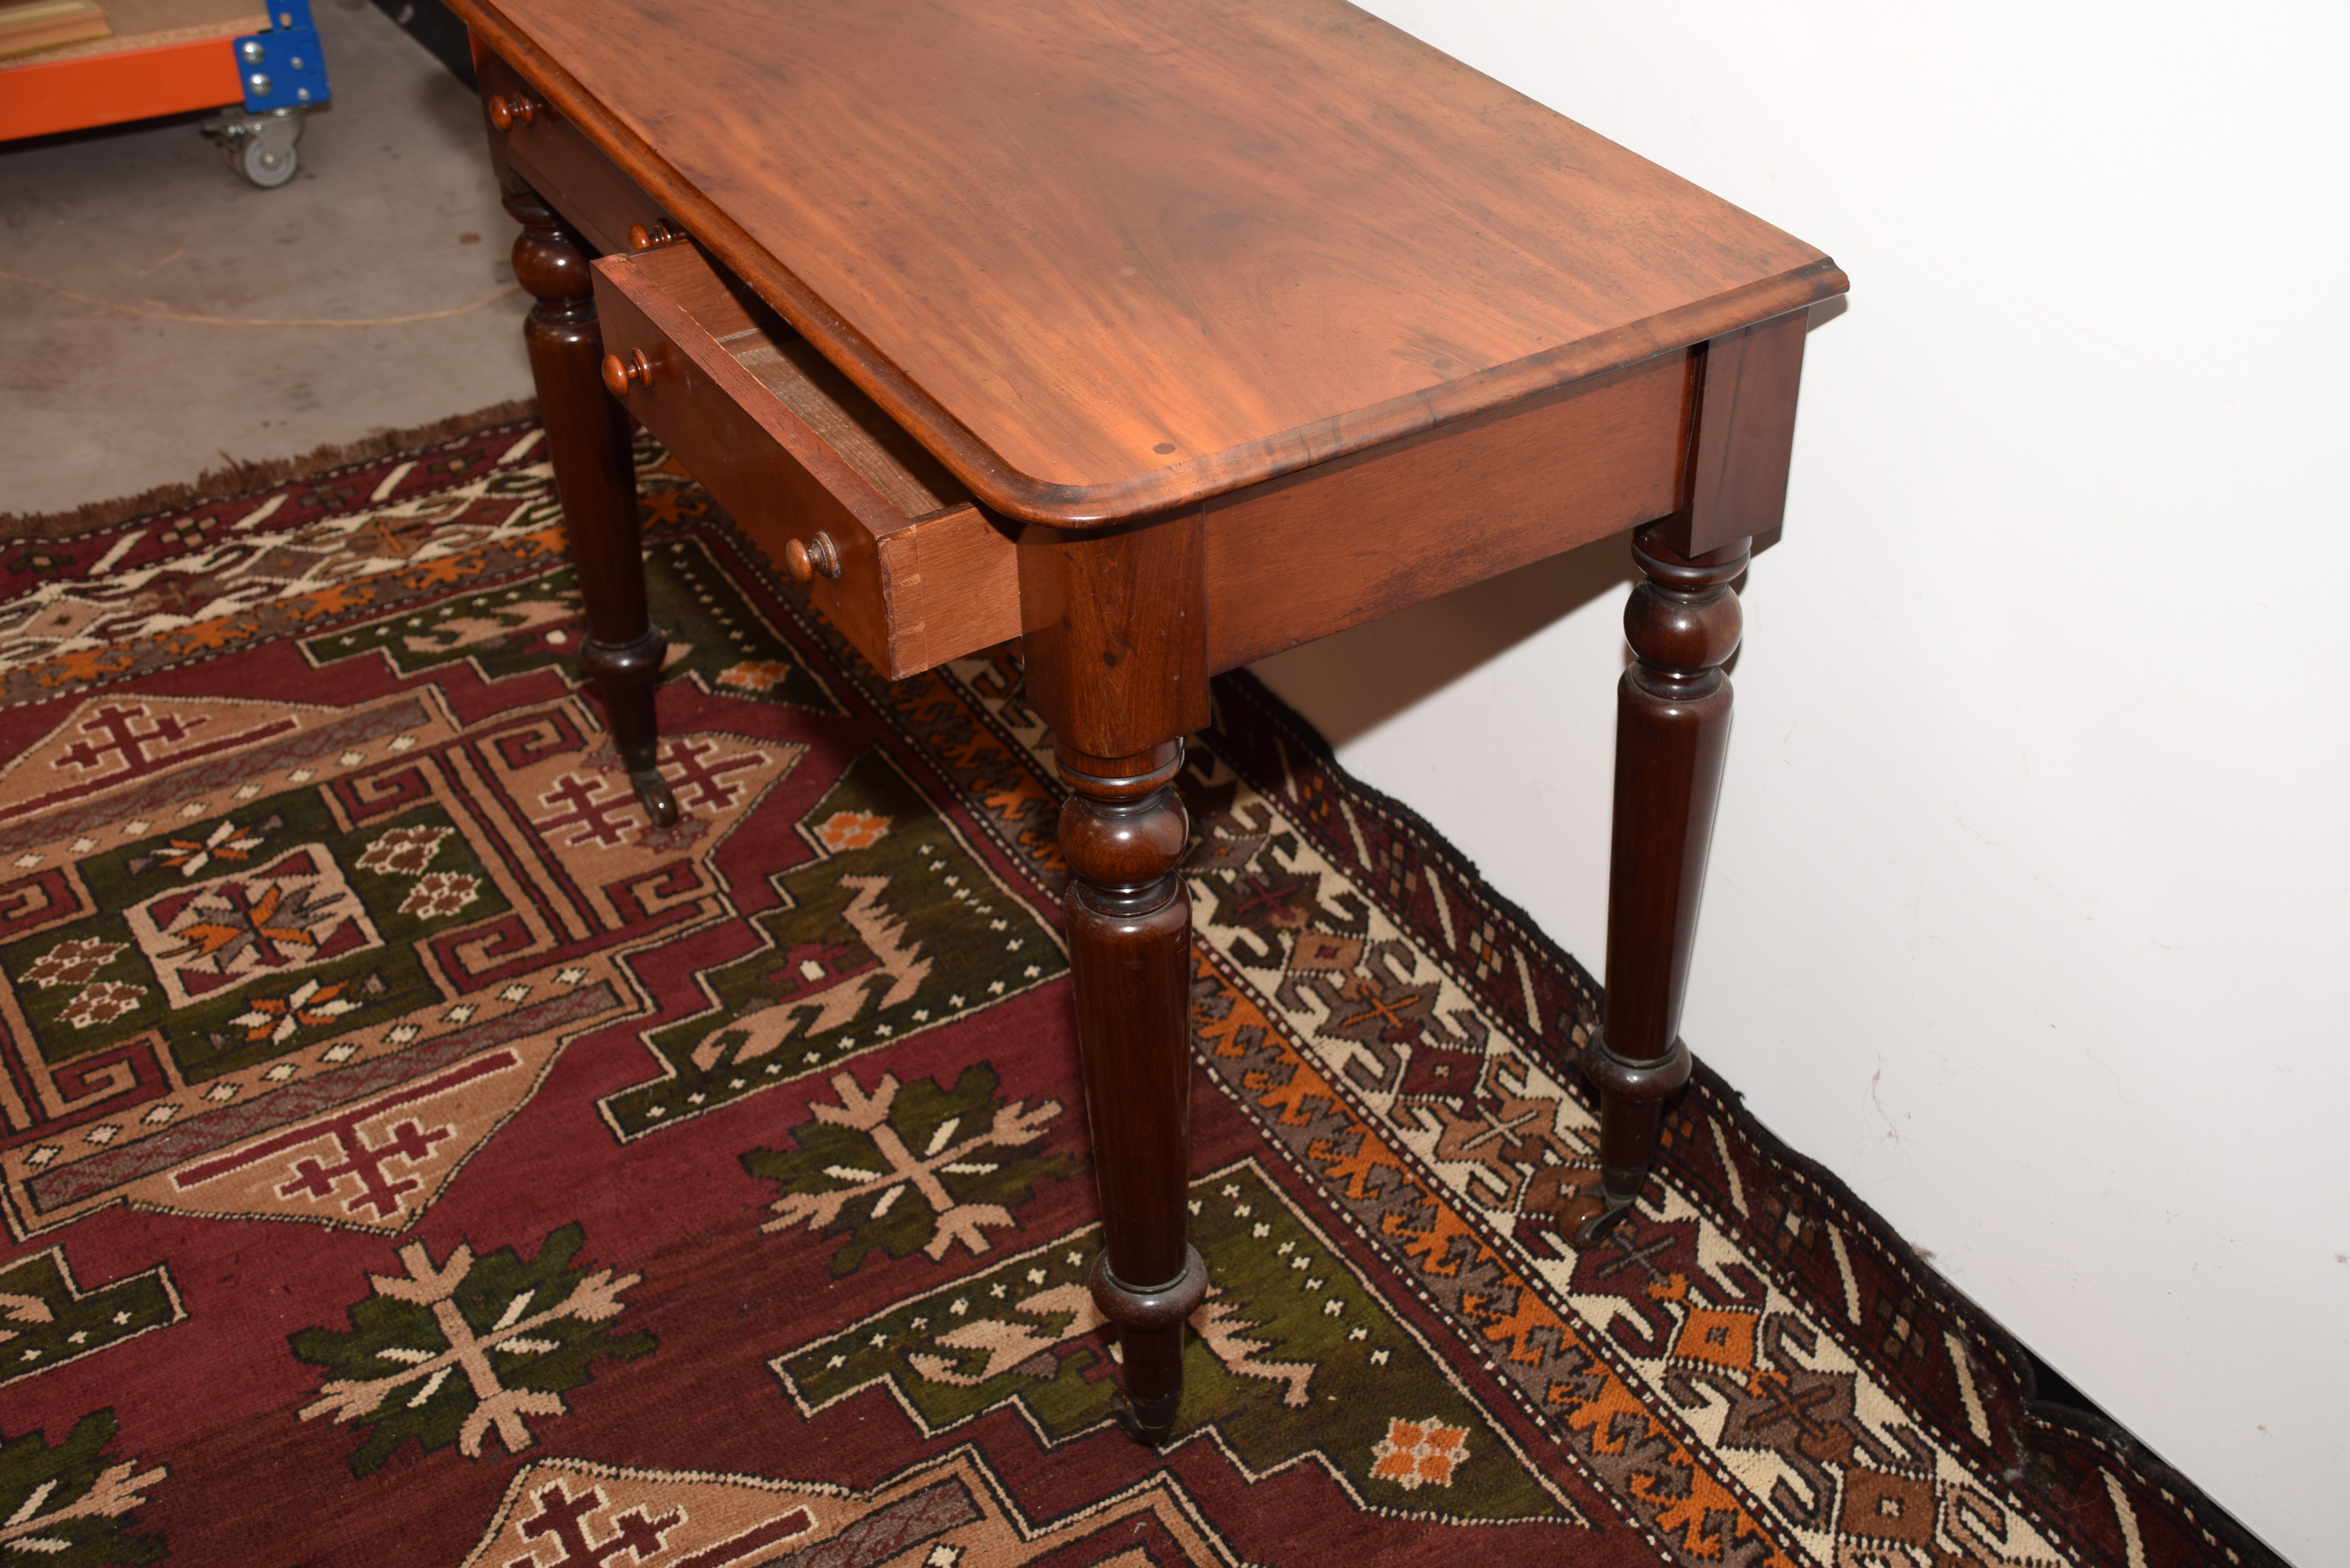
[[1109, 257]]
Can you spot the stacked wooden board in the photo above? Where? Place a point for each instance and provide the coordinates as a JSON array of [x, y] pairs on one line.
[[31, 26]]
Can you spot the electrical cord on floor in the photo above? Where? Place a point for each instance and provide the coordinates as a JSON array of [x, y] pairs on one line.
[[156, 312]]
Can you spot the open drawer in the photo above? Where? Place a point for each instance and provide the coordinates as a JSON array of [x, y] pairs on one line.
[[887, 542]]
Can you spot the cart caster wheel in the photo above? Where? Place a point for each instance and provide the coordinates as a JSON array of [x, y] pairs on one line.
[[265, 166], [259, 147]]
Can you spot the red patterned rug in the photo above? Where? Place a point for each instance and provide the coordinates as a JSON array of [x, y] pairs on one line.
[[410, 1157]]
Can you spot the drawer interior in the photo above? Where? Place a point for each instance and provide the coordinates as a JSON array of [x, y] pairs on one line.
[[843, 417]]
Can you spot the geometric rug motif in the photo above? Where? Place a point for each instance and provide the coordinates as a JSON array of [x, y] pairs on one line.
[[75, 1503], [720, 1193], [894, 927], [306, 972], [950, 1512], [217, 576], [1452, 1148], [47, 1320], [910, 1167], [463, 1349], [1845, 1411], [186, 586], [1286, 1316], [528, 625]]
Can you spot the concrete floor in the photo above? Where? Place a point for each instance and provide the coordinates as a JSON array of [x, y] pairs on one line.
[[394, 214]]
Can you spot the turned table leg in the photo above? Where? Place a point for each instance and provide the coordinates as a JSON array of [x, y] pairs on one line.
[[1672, 728], [1129, 920], [1117, 666], [588, 442]]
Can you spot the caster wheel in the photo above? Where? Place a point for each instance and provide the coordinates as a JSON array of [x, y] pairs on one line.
[[259, 148], [265, 165], [653, 795]]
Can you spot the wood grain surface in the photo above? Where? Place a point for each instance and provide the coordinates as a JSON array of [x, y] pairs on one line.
[[1746, 436], [1109, 257], [1347, 541]]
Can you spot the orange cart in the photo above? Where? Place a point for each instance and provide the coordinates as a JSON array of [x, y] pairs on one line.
[[261, 69]]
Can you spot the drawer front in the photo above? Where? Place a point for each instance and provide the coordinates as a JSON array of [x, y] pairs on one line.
[[899, 560], [560, 163]]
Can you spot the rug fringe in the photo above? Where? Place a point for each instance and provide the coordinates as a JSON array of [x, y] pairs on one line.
[[241, 478]]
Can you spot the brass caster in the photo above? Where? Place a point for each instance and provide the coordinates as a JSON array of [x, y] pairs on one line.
[[652, 793], [1149, 1422], [1596, 1229]]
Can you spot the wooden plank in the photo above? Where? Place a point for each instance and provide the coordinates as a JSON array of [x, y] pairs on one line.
[[139, 18], [154, 25], [1315, 553], [1107, 258]]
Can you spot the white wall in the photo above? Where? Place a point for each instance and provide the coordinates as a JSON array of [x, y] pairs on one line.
[[2030, 898]]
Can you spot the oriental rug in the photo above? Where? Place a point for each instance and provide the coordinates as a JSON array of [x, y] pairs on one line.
[[409, 1156]]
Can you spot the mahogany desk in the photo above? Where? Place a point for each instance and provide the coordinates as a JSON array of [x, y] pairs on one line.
[[1163, 335]]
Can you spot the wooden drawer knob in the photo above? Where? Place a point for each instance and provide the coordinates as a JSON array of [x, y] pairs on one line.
[[652, 236], [621, 374], [806, 558], [508, 110]]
